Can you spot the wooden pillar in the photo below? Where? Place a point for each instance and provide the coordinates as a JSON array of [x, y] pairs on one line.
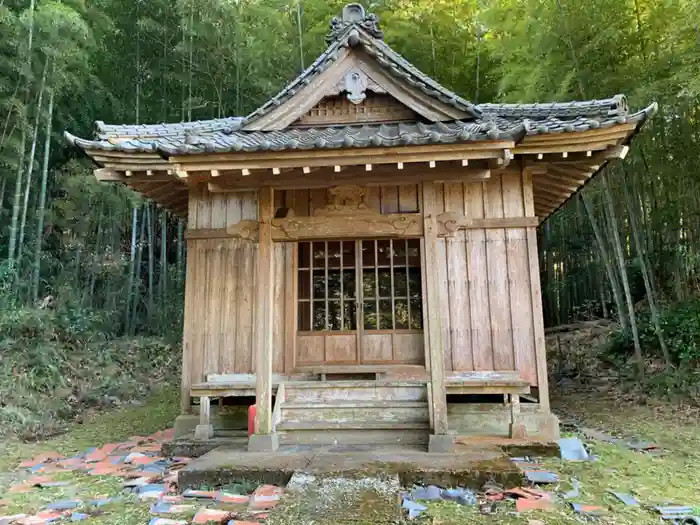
[[264, 439], [536, 292], [439, 440]]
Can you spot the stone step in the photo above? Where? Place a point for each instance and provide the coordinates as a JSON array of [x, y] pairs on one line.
[[320, 433]]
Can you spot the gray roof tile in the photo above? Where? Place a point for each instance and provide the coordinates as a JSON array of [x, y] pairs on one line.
[[491, 127]]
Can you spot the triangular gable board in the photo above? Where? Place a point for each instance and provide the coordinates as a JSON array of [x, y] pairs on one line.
[[374, 108], [357, 65]]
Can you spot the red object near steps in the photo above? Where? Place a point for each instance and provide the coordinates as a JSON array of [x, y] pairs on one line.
[[251, 420]]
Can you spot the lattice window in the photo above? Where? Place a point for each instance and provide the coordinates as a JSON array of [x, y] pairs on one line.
[[386, 294]]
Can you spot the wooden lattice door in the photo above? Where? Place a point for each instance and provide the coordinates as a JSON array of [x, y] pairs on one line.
[[360, 302]]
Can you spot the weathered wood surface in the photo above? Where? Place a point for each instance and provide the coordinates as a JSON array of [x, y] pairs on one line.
[[264, 314], [433, 304], [350, 226], [488, 319]]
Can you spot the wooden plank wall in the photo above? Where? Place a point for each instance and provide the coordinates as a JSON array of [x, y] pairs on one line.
[[484, 276], [385, 199], [220, 291]]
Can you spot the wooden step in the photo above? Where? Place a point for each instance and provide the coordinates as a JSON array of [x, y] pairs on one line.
[[357, 412], [342, 404], [286, 426], [332, 391]]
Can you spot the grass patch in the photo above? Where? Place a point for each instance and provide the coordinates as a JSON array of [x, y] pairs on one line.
[[671, 479], [110, 426]]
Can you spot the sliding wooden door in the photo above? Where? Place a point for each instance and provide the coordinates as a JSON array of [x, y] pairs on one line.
[[359, 302]]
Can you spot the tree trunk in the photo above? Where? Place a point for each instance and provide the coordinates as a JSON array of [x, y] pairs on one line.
[[162, 281], [30, 166], [151, 257], [180, 251], [301, 33], [646, 274], [36, 270], [137, 271], [23, 143], [607, 262], [617, 244], [132, 269]]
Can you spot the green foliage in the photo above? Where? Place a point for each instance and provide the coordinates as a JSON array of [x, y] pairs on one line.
[[58, 363], [681, 327]]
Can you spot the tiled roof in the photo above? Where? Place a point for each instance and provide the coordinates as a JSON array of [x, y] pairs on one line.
[[605, 108], [496, 124], [354, 34], [107, 131]]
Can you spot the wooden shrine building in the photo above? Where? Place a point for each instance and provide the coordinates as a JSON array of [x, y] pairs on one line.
[[361, 250]]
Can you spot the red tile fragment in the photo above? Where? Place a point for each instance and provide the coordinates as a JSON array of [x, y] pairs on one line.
[[96, 456], [207, 515], [223, 497], [105, 469], [71, 463], [172, 499], [266, 497], [110, 448], [524, 504], [38, 480], [41, 458], [520, 493]]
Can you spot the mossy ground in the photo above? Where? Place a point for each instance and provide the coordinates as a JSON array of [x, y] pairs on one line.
[[673, 478], [112, 426]]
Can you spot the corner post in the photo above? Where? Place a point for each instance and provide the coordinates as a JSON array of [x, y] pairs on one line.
[[536, 288], [440, 440], [264, 439]]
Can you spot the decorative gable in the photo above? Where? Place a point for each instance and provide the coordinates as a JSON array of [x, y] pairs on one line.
[[356, 65]]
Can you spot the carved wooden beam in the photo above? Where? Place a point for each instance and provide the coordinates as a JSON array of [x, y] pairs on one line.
[[353, 225], [451, 222], [246, 229]]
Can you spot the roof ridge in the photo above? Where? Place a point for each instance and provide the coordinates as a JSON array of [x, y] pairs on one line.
[[607, 107]]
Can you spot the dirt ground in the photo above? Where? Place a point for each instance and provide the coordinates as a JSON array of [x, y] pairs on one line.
[[672, 478]]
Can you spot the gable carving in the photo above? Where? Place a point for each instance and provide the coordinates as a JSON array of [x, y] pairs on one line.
[[373, 109], [346, 200]]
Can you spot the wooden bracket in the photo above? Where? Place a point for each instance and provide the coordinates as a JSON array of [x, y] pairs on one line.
[[450, 222]]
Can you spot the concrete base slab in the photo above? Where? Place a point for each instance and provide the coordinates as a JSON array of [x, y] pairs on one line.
[[337, 499], [204, 432], [263, 443], [441, 444], [465, 468]]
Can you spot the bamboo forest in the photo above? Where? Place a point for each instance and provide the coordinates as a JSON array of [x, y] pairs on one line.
[[92, 275]]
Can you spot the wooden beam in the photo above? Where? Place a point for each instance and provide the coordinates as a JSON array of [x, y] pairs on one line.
[[380, 175], [450, 222], [536, 297], [556, 182], [350, 157], [262, 335], [368, 225], [108, 175], [433, 302], [611, 135]]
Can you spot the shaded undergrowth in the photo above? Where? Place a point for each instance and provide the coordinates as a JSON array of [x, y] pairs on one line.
[[56, 367]]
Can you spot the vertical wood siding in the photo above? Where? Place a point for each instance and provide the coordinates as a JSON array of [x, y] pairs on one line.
[[218, 328], [485, 281]]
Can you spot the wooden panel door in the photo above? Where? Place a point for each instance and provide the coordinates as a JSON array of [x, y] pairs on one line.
[[359, 302], [391, 302]]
